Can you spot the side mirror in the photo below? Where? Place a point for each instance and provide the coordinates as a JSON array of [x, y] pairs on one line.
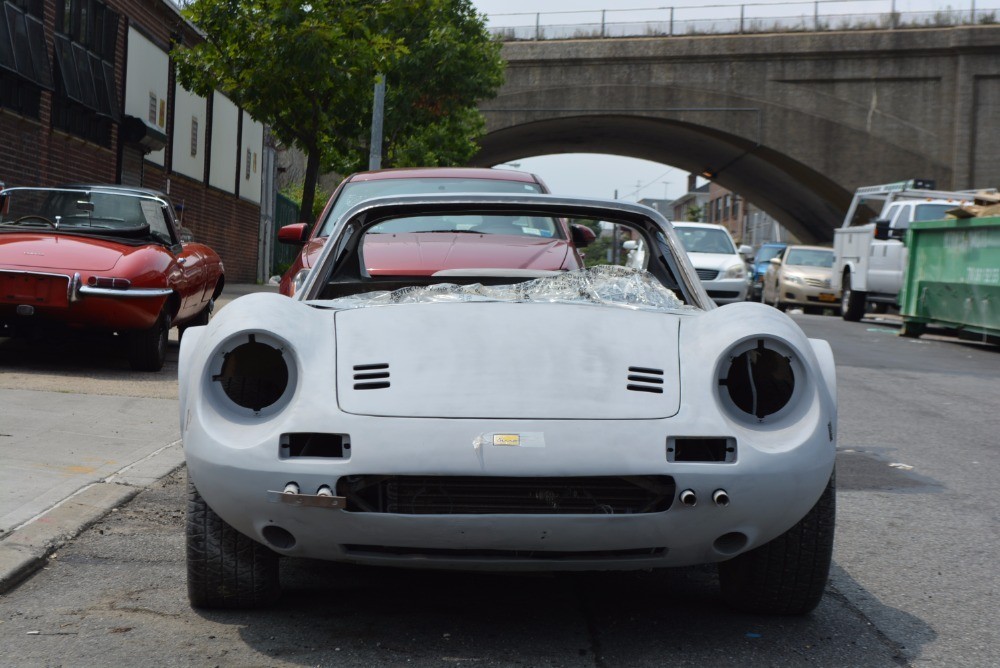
[[746, 251], [185, 235], [582, 235], [296, 234], [882, 228], [776, 261], [630, 245]]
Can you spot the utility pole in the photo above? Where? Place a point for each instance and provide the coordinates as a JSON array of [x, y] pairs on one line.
[[378, 114]]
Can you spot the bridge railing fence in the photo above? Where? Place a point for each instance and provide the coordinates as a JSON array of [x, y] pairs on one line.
[[720, 19]]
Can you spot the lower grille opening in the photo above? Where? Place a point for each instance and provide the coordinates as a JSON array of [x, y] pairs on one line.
[[478, 495], [526, 555]]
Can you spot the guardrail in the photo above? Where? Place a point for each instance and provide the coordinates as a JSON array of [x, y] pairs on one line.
[[721, 19]]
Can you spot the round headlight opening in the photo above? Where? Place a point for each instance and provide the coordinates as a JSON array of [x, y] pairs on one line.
[[254, 375], [760, 381]]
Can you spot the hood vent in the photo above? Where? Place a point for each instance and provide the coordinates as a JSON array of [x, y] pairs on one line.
[[644, 379], [371, 376]]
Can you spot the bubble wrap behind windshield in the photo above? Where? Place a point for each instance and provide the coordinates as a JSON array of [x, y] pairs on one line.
[[606, 285]]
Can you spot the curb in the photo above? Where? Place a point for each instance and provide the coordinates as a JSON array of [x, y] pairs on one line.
[[27, 548]]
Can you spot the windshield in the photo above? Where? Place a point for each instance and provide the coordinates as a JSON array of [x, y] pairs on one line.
[[809, 257], [84, 211], [605, 285], [767, 252], [705, 240], [354, 192]]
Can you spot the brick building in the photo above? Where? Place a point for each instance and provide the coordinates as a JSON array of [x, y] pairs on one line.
[[88, 95]]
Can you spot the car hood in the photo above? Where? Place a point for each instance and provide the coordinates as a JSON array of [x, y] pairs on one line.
[[821, 273], [423, 254], [717, 261], [57, 252], [507, 360]]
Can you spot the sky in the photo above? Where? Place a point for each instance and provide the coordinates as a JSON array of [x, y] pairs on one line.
[[589, 174], [596, 175]]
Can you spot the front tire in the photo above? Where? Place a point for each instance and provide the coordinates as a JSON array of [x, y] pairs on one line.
[[148, 348], [852, 302], [788, 575], [225, 569]]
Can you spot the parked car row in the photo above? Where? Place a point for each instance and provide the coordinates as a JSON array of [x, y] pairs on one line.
[[443, 384]]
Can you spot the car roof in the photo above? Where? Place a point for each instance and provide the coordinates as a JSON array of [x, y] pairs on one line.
[[798, 246], [96, 187], [445, 173], [106, 187]]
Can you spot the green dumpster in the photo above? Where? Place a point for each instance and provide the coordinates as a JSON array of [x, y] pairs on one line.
[[953, 276]]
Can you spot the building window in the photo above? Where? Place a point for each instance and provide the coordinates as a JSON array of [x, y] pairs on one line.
[[86, 98], [194, 136], [24, 56]]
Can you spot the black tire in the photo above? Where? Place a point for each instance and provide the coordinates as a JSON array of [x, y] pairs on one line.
[[225, 569], [788, 575], [852, 302], [148, 348]]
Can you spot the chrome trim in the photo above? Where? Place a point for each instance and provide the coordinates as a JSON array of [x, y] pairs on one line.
[[73, 289], [129, 293]]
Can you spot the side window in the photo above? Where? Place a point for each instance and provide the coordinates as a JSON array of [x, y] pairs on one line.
[[901, 217]]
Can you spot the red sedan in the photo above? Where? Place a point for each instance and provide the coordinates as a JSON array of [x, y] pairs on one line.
[[538, 244], [102, 258]]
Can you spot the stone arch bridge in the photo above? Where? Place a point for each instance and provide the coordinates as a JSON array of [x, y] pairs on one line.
[[794, 122]]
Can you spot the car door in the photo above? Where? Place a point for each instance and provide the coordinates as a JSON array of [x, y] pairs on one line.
[[186, 272], [883, 264]]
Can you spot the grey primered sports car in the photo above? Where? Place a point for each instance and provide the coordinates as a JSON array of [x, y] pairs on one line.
[[507, 419]]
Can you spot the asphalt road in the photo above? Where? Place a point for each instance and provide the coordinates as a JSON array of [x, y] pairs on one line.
[[914, 579]]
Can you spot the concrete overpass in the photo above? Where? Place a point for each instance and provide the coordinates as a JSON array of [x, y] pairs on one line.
[[794, 122]]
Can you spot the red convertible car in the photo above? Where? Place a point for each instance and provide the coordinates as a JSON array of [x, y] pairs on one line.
[[533, 244], [102, 258]]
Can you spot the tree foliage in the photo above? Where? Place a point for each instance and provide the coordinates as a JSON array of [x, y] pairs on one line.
[[308, 71]]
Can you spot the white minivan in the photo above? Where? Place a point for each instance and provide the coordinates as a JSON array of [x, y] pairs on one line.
[[720, 266]]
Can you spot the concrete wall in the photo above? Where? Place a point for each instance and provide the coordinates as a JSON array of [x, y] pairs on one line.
[[795, 122]]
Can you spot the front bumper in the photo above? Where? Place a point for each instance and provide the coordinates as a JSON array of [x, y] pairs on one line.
[[808, 295], [726, 290], [769, 491]]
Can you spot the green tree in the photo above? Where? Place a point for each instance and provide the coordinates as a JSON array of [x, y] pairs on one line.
[[308, 71]]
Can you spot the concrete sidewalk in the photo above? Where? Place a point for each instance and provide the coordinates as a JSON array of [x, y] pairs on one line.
[[70, 458]]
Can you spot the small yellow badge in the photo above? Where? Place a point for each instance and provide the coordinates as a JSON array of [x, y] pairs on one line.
[[506, 439]]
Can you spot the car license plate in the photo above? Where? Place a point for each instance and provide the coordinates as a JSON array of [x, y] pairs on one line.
[[33, 289], [827, 297]]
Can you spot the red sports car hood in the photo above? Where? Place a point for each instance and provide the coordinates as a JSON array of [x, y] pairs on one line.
[[423, 254], [57, 252]]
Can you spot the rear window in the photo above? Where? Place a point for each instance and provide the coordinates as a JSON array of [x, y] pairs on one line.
[[355, 192]]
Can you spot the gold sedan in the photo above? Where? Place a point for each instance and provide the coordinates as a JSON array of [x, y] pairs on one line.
[[800, 276]]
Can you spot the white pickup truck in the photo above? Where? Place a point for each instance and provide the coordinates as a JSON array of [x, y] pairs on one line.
[[869, 255]]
